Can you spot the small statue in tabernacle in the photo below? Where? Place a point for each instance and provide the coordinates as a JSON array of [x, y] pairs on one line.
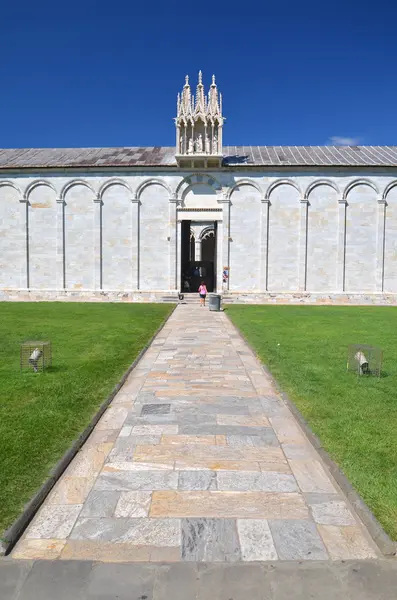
[[207, 144], [190, 147], [181, 145], [199, 144], [215, 145]]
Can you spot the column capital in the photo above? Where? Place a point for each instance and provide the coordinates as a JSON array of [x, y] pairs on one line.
[[342, 201], [265, 201], [223, 197], [382, 200], [60, 201], [304, 201], [135, 200], [98, 200]]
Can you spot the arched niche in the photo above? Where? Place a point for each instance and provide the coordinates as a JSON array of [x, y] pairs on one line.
[[390, 269], [199, 195], [153, 241], [361, 224], [42, 239], [79, 237], [12, 238], [245, 238], [117, 237], [198, 191], [322, 238], [283, 245]]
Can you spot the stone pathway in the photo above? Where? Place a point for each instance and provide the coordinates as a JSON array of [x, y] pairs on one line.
[[278, 580], [197, 459]]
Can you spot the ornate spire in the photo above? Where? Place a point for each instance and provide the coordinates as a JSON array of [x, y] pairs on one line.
[[200, 101], [213, 103], [184, 101], [199, 124]]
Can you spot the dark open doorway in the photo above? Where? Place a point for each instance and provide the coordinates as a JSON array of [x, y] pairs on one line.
[[198, 257]]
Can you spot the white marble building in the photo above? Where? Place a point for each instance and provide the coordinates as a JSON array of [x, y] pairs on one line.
[[266, 223]]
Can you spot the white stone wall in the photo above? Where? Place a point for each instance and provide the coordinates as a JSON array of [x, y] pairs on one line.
[[361, 239], [79, 251], [280, 233], [322, 239], [154, 271], [245, 235], [42, 237], [118, 238], [12, 239], [390, 274], [283, 245]]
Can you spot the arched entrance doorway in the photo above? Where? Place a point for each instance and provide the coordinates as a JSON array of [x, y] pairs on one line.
[[198, 255]]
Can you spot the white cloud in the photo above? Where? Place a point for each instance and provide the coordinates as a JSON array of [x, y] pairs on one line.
[[337, 140]]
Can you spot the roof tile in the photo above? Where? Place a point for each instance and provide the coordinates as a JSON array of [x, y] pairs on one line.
[[152, 156]]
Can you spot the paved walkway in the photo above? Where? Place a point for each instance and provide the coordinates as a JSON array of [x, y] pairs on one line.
[[197, 459], [307, 580]]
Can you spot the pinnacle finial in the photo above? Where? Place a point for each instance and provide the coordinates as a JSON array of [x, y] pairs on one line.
[[187, 80], [213, 80], [200, 78]]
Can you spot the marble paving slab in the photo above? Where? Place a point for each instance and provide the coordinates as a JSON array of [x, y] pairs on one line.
[[197, 459]]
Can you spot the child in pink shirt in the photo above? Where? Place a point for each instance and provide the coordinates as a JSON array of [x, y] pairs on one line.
[[203, 293]]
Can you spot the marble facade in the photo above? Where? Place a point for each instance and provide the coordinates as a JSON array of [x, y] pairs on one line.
[[106, 231]]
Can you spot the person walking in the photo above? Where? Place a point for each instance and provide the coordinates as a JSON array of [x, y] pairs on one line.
[[203, 293]]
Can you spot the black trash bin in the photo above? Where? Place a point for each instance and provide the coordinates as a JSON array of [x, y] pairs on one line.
[[214, 302]]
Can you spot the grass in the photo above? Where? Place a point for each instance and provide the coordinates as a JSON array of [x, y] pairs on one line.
[[41, 414], [305, 348]]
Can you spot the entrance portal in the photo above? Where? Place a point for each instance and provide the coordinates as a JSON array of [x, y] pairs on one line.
[[198, 255]]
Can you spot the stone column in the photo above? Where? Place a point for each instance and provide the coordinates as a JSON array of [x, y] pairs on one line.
[[135, 243], [341, 256], [172, 240], [302, 268], [197, 248], [178, 254], [226, 240], [98, 244], [60, 257], [24, 207], [380, 244], [219, 256], [264, 246]]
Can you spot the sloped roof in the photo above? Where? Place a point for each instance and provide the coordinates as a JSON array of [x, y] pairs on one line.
[[161, 156]]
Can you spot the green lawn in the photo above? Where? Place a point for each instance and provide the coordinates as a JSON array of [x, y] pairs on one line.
[[41, 414], [305, 348]]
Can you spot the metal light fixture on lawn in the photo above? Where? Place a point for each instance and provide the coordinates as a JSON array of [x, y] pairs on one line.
[[364, 359], [35, 356]]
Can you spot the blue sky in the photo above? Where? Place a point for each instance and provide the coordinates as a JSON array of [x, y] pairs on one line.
[[293, 72]]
